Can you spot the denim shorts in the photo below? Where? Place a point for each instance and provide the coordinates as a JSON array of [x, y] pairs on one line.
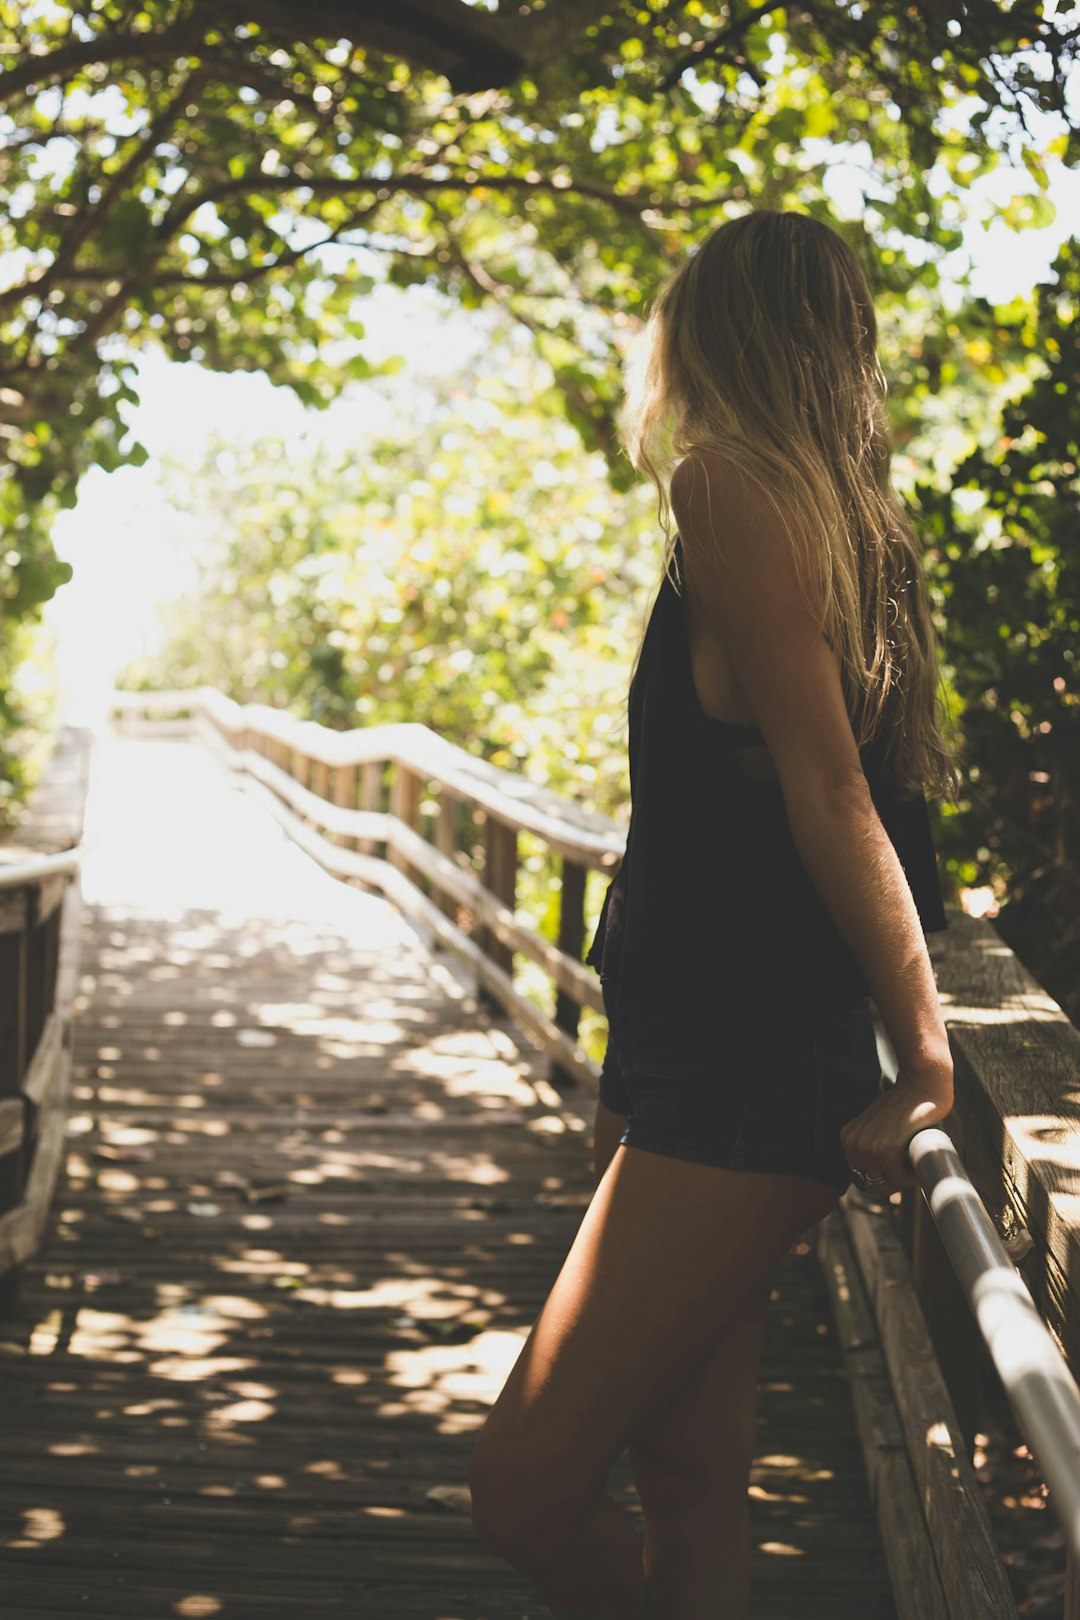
[[766, 1095]]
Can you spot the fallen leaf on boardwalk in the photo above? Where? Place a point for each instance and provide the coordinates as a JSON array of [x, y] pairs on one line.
[[149, 1232], [457, 1498], [253, 1192], [123, 1155], [271, 1193], [447, 1329], [204, 1209], [100, 1279]]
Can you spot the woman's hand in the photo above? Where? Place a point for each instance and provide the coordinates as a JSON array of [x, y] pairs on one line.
[[876, 1141]]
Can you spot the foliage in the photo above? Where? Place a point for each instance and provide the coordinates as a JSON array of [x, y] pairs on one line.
[[1006, 533], [222, 184], [201, 180], [477, 573]]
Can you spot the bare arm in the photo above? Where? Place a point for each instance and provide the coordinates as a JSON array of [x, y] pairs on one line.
[[740, 567]]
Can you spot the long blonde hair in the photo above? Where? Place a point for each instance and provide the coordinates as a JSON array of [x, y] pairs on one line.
[[763, 347]]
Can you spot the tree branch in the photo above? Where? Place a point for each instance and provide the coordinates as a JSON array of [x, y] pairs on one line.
[[43, 67], [627, 202], [474, 48], [712, 44]]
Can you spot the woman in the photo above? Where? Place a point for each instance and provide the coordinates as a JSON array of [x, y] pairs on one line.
[[778, 873]]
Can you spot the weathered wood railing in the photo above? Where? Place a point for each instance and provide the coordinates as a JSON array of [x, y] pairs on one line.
[[918, 1357], [39, 918], [919, 1354], [436, 829]]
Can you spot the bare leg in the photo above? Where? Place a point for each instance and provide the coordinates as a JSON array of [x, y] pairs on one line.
[[668, 1256], [691, 1465]]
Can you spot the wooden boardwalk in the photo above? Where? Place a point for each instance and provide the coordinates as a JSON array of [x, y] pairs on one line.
[[314, 1201]]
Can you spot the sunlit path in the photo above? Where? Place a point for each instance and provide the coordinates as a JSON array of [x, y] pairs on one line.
[[313, 1204], [168, 832]]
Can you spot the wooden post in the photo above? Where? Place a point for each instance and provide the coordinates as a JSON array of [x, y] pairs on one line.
[[371, 793], [571, 940], [500, 876], [1072, 1586], [14, 998], [38, 990], [446, 844], [319, 778], [301, 767], [345, 796], [405, 806]]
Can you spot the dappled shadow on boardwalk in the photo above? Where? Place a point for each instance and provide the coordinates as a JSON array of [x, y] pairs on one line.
[[313, 1205]]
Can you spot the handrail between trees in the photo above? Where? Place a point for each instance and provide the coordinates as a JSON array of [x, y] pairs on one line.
[[329, 790]]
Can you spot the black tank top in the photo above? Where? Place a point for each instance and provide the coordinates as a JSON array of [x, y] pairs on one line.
[[711, 914]]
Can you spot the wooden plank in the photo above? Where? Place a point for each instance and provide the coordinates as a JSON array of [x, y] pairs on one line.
[[344, 798], [974, 1580], [499, 877], [571, 940], [1072, 1586], [40, 1078], [13, 1008], [306, 1318], [371, 797], [1016, 1058], [52, 820], [913, 1566], [15, 910], [11, 1125], [21, 1228], [50, 892], [404, 808]]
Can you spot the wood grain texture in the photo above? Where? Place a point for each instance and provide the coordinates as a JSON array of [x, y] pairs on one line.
[[1017, 1111], [973, 1578], [909, 1550], [36, 994], [314, 1200]]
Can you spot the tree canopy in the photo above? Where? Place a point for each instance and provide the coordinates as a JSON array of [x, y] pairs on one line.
[[226, 182]]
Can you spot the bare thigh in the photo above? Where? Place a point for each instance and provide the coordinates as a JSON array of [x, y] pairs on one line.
[[698, 1441], [668, 1254]]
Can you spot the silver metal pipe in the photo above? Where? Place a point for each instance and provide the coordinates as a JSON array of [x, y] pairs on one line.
[[1036, 1378]]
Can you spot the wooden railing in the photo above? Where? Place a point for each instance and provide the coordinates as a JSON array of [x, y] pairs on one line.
[[39, 923], [917, 1356], [433, 827]]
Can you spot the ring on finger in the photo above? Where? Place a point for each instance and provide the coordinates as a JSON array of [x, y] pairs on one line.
[[864, 1181]]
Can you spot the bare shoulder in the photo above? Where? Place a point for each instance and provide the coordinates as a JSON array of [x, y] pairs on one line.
[[741, 569], [705, 477], [734, 536]]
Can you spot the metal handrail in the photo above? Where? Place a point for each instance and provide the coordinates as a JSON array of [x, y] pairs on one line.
[[1041, 1390], [1036, 1378], [36, 867]]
